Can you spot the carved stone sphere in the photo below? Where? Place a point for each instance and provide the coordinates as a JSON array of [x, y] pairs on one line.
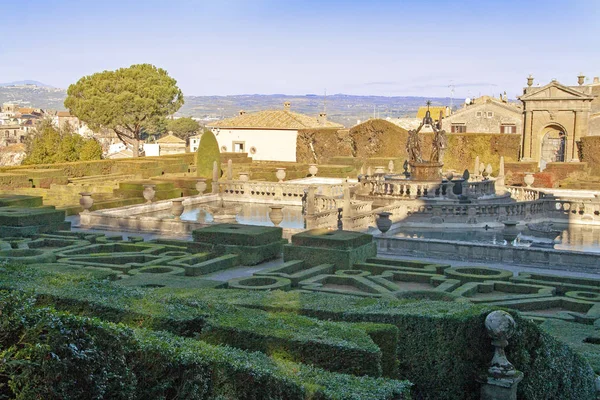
[[500, 325]]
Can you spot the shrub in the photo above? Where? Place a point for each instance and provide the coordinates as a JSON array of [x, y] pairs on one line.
[[207, 153], [53, 355]]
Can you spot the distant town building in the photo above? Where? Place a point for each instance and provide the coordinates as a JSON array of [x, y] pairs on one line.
[[267, 135], [195, 142], [170, 144], [485, 115]]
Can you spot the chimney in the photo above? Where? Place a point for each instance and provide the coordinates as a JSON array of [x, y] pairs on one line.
[[596, 80], [580, 78], [322, 118], [287, 105], [242, 112]]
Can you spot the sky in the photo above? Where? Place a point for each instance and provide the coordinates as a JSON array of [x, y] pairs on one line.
[[373, 47]]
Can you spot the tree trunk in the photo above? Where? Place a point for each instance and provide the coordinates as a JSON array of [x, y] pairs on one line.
[[135, 150]]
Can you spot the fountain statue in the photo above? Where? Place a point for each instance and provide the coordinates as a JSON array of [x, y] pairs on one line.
[[422, 170]]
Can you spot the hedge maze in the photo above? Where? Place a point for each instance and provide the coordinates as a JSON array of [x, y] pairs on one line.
[[217, 318]]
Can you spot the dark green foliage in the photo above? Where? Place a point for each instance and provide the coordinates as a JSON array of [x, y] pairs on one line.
[[53, 355], [49, 145], [238, 234], [341, 258], [208, 152], [212, 265], [16, 200], [182, 127], [329, 239], [126, 101]]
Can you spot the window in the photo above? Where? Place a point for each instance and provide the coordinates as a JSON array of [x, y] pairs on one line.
[[458, 128], [490, 114], [508, 128], [238, 147], [479, 113]]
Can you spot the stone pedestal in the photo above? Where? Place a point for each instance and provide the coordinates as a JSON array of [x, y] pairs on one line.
[[501, 388], [425, 171]]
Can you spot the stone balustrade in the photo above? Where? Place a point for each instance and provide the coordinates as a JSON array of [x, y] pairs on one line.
[[407, 189], [524, 194]]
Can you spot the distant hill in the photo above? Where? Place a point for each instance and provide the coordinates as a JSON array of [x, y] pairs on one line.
[[26, 82], [342, 108]]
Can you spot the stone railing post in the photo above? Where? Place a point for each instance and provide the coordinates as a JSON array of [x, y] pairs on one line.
[[215, 178], [310, 200], [502, 377]]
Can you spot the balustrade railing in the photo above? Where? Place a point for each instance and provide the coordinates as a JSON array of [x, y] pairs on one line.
[[400, 189]]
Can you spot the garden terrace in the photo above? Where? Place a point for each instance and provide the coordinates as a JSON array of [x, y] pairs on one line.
[[433, 337]]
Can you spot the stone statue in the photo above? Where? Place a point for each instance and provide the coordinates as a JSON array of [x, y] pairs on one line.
[[439, 144], [413, 147]]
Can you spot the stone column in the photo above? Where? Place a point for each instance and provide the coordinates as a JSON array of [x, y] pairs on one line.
[[572, 141], [347, 207], [527, 137]]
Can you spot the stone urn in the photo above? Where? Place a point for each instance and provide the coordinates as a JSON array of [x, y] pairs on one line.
[[280, 174], [276, 214], [177, 208], [510, 231], [201, 185], [86, 201], [529, 179], [383, 221], [244, 176], [312, 169], [149, 192]]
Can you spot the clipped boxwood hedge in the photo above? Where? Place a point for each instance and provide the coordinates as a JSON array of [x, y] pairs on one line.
[[52, 355], [442, 346], [336, 346]]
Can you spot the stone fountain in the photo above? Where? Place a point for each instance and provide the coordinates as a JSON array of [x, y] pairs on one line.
[[222, 212]]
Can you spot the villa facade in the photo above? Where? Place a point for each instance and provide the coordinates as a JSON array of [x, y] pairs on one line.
[[269, 135]]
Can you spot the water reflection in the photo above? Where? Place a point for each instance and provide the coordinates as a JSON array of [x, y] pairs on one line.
[[247, 213]]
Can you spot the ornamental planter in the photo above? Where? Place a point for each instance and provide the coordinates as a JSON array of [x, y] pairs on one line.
[[510, 231], [86, 201], [244, 176], [529, 179], [177, 208], [201, 186], [276, 214], [149, 193], [280, 174], [383, 221]]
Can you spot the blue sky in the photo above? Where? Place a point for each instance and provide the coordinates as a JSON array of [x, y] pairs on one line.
[[377, 47]]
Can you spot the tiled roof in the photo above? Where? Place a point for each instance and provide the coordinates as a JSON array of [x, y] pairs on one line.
[[63, 114], [26, 110], [435, 112], [170, 139], [274, 119]]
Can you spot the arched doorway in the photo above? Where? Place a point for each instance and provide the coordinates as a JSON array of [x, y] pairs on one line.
[[554, 145]]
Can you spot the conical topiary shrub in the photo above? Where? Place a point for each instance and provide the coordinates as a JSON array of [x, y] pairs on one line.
[[207, 153]]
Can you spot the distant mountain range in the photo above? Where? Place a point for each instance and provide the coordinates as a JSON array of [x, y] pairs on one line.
[[340, 108], [26, 82]]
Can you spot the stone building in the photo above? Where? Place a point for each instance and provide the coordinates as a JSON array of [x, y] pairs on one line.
[[555, 118], [485, 115], [594, 124], [269, 135], [170, 144]]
